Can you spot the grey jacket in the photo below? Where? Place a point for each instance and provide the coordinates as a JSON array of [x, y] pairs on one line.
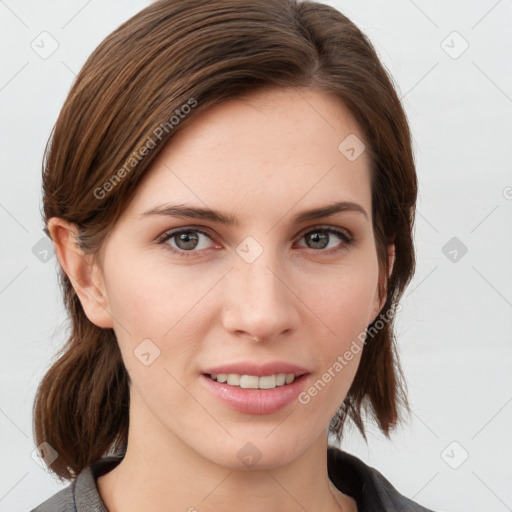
[[371, 491]]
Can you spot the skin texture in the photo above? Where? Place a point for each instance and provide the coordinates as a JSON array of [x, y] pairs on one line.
[[262, 159]]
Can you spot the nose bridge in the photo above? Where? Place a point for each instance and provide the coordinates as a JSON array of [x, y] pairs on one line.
[[259, 301]]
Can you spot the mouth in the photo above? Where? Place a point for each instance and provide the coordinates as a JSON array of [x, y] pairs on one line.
[[252, 388]]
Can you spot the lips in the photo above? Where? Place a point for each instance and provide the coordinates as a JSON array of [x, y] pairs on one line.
[[252, 388]]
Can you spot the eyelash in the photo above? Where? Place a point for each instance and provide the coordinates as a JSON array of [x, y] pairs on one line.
[[346, 239]]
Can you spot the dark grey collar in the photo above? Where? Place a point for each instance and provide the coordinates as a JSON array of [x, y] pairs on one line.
[[371, 491]]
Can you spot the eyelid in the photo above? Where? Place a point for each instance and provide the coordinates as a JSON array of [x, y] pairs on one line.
[[176, 231], [326, 227], [205, 231], [344, 234]]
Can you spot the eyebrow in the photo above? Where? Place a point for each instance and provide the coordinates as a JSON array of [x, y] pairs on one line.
[[195, 212]]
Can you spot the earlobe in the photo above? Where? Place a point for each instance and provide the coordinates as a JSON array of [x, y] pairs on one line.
[[381, 293], [83, 272], [391, 258], [391, 264]]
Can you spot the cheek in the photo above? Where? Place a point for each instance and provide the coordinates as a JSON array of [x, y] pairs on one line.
[[344, 306], [152, 297], [165, 304], [344, 299]]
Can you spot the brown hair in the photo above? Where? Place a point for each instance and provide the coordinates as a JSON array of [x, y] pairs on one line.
[[137, 83]]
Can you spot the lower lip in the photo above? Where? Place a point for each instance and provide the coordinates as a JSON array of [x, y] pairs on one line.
[[256, 401]]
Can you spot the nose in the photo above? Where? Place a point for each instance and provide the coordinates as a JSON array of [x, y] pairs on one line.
[[260, 300]]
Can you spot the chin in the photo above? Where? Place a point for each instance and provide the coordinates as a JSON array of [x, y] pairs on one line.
[[256, 451]]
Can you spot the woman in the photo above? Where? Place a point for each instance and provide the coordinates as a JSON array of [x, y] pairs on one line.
[[230, 188]]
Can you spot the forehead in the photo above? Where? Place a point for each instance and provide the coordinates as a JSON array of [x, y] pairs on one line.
[[266, 151]]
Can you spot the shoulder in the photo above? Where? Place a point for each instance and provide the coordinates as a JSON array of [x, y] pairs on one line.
[[82, 494], [62, 501], [370, 489]]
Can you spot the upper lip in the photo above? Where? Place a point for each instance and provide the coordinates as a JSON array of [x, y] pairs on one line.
[[259, 370]]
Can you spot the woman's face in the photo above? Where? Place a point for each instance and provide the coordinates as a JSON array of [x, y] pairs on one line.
[[267, 294]]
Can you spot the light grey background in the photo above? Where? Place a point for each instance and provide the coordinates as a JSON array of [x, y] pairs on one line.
[[454, 329]]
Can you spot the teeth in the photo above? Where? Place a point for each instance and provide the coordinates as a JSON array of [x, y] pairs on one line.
[[267, 382], [233, 379], [253, 381], [249, 382]]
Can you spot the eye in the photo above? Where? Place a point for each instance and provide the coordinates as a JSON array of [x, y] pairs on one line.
[[189, 241], [321, 238], [186, 242]]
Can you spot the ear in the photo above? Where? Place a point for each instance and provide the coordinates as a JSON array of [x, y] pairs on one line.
[[83, 271], [382, 288]]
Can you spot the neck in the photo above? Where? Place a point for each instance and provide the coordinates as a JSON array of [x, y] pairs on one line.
[[160, 473]]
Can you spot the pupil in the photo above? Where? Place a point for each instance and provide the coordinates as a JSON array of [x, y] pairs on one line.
[[319, 237], [187, 240]]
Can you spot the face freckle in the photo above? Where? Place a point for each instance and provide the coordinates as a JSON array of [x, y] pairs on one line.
[[252, 292]]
